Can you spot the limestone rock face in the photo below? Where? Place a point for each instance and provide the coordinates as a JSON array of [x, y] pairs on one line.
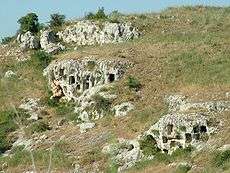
[[176, 130], [82, 81], [90, 33], [70, 78], [48, 42], [28, 41], [10, 74]]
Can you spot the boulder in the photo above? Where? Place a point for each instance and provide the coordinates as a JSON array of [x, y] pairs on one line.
[[28, 41]]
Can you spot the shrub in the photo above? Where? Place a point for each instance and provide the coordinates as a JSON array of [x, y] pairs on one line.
[[7, 40], [29, 23], [222, 158], [99, 15], [133, 83], [43, 58], [101, 103], [148, 146], [57, 20]]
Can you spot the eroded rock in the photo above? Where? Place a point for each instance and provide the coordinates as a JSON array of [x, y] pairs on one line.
[[28, 41], [48, 41], [32, 107], [125, 153], [90, 33]]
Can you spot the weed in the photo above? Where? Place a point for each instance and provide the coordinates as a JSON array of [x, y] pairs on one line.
[[133, 83]]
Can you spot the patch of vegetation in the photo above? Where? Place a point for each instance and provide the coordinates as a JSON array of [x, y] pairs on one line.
[[29, 23], [149, 146], [9, 121], [43, 58], [7, 40], [101, 103], [91, 65], [21, 157], [182, 153], [92, 156], [183, 168], [38, 127], [57, 20], [194, 68], [222, 158], [133, 83], [99, 15]]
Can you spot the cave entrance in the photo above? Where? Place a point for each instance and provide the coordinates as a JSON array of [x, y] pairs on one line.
[[111, 77], [71, 80], [61, 72], [203, 129], [188, 137]]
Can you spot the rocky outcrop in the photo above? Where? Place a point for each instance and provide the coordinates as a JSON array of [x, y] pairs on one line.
[[32, 107], [123, 109], [125, 153], [90, 33], [28, 41], [179, 103], [83, 81], [176, 130], [70, 78], [48, 41]]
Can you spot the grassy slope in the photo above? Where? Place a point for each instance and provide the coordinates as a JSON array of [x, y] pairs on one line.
[[181, 50]]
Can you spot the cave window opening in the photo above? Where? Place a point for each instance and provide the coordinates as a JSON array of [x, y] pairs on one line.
[[188, 137], [111, 77], [71, 80], [196, 129], [165, 139], [203, 129], [78, 87], [61, 72]]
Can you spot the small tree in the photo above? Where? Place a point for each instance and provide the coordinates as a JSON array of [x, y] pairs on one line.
[[100, 14], [57, 20], [29, 23]]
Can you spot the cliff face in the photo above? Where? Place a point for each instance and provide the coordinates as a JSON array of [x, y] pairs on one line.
[[70, 78]]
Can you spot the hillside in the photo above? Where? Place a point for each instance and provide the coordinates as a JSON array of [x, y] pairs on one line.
[[179, 66]]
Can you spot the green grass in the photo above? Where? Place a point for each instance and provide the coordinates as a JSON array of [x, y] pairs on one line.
[[194, 68], [22, 157]]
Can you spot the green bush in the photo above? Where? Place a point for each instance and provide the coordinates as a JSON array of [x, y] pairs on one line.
[[29, 23], [43, 58], [149, 146], [57, 20], [101, 103], [222, 158], [7, 40], [99, 15], [133, 83]]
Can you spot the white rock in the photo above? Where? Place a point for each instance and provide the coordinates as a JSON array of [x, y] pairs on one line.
[[123, 109], [90, 33], [9, 74], [85, 126], [28, 41], [48, 42]]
